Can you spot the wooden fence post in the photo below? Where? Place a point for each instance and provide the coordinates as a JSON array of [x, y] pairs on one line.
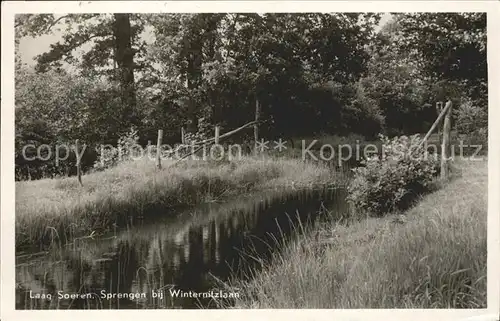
[[256, 126], [217, 129], [158, 148], [183, 139], [78, 165], [216, 143], [439, 109], [445, 147]]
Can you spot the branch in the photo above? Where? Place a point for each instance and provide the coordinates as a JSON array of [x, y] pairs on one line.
[[62, 50], [55, 22], [41, 30]]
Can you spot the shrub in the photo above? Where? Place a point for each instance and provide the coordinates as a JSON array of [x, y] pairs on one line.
[[472, 125], [393, 179], [364, 114], [112, 156], [470, 117]]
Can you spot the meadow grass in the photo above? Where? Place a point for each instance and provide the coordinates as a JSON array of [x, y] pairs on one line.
[[58, 210], [433, 258]]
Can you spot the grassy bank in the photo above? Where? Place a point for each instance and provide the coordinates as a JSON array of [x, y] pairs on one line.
[[433, 258], [59, 209]]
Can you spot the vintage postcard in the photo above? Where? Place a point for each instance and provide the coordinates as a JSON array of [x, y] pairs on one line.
[[292, 159]]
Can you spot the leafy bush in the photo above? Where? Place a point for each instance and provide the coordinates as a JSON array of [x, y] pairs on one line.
[[109, 157], [472, 125], [471, 117], [394, 178], [363, 114]]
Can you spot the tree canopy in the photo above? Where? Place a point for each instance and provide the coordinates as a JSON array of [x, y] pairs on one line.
[[312, 73]]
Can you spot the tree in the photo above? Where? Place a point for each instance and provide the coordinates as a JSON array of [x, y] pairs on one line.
[[451, 47], [124, 56], [113, 42], [452, 50], [397, 84], [184, 44], [275, 58]]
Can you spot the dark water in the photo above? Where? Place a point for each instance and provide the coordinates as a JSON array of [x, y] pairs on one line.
[[157, 265]]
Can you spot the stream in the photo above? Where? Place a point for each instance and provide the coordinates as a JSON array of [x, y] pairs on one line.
[[179, 262]]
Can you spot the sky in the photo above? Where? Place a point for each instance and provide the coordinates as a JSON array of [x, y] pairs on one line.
[[30, 47]]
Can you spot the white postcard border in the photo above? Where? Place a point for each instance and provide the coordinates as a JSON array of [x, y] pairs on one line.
[[7, 293]]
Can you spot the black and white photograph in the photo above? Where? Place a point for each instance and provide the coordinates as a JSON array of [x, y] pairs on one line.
[[250, 160]]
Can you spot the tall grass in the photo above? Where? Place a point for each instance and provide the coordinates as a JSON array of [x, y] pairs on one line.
[[59, 210], [433, 258]]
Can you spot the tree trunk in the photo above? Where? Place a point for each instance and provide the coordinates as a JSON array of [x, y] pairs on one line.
[[194, 79], [124, 57], [211, 44]]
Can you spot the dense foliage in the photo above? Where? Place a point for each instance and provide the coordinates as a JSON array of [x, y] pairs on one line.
[[394, 178], [312, 74]]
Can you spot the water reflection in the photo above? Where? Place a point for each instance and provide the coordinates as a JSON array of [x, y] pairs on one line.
[[194, 252]]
